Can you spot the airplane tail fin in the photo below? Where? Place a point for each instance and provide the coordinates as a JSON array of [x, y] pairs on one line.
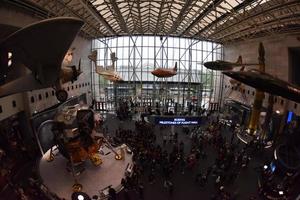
[[93, 56], [175, 68], [99, 69], [239, 60]]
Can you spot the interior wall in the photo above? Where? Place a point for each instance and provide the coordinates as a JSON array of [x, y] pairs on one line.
[[277, 64], [294, 63], [38, 100]]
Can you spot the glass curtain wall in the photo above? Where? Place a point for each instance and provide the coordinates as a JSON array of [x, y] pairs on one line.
[[194, 85]]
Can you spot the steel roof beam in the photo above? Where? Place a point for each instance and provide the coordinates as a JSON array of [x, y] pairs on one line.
[[251, 18], [227, 14], [162, 5], [181, 16], [119, 16], [202, 15], [140, 16], [95, 13]]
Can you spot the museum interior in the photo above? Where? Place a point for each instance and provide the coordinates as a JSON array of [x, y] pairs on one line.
[[149, 99]]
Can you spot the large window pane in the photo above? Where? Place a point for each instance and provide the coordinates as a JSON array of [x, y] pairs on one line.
[[139, 55]]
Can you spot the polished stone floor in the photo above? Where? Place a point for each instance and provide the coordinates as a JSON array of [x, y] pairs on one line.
[[185, 187]]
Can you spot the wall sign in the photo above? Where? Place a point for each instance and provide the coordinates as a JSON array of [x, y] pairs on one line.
[[177, 120]]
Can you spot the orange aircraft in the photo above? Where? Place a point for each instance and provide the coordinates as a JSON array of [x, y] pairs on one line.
[[165, 73]]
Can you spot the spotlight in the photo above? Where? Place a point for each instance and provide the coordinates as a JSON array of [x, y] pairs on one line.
[[265, 167], [280, 192], [9, 55], [80, 196], [9, 63], [277, 111]]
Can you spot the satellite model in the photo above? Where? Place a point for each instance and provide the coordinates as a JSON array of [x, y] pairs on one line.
[[107, 72], [27, 65], [165, 73]]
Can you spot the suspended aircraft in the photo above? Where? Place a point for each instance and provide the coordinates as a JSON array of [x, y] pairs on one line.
[[107, 72], [31, 58], [267, 83], [225, 65], [68, 73], [165, 73]]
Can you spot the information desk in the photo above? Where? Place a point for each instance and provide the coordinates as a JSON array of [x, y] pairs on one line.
[[177, 120]]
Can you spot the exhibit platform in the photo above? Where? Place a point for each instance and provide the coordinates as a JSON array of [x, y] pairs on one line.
[[94, 180]]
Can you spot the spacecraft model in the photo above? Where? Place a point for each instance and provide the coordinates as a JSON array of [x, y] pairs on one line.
[[165, 73], [75, 139]]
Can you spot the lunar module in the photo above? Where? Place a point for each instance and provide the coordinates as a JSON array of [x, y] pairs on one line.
[[74, 137]]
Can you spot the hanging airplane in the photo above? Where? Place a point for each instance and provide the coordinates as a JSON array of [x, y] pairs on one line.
[[31, 58], [69, 73], [165, 73], [267, 83], [225, 65], [107, 72]]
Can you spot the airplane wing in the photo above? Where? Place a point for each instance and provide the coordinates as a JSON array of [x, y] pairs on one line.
[[41, 46], [267, 83], [23, 84]]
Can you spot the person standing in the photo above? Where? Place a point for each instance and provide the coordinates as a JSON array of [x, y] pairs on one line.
[[170, 188], [126, 194], [141, 191], [112, 194]]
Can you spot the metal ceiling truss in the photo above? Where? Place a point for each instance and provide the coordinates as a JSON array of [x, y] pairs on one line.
[[214, 20]]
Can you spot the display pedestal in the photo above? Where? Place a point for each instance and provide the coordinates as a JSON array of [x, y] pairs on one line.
[[93, 179]]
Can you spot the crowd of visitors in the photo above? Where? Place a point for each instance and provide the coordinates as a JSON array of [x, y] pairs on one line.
[[154, 160]]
